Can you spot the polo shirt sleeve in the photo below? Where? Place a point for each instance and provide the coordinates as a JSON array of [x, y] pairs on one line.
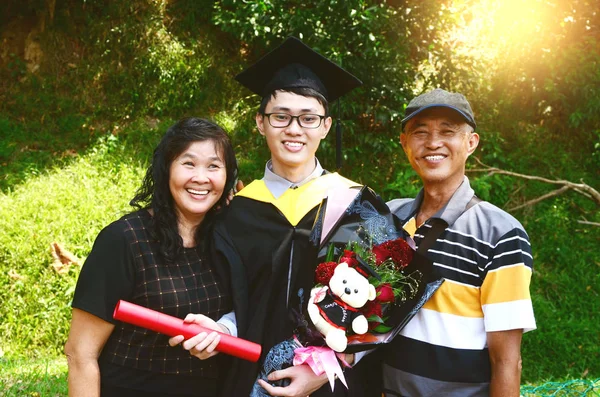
[[505, 297], [107, 274]]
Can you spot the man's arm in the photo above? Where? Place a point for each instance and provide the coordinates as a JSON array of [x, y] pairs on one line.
[[505, 359]]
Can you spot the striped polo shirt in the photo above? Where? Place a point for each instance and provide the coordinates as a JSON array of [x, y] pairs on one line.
[[485, 259]]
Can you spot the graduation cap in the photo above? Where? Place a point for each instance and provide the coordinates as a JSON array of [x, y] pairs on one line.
[[365, 269], [295, 65]]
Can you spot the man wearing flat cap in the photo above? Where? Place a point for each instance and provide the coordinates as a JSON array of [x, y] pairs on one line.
[[466, 340], [263, 238]]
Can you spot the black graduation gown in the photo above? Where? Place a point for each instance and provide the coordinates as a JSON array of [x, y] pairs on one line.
[[264, 244]]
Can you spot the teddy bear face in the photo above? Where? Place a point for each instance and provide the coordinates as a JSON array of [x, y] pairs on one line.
[[351, 286]]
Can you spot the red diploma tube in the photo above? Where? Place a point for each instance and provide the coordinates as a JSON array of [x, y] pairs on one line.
[[172, 326]]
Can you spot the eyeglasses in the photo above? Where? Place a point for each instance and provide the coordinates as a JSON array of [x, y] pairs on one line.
[[281, 120], [445, 135]]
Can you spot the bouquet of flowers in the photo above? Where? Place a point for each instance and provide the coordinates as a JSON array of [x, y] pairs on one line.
[[369, 283], [385, 265], [357, 228]]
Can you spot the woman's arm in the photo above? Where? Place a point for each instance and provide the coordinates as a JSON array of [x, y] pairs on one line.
[[86, 339]]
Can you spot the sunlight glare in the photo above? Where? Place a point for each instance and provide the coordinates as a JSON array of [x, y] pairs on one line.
[[494, 26]]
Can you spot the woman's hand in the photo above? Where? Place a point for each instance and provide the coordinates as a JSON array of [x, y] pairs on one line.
[[204, 344], [239, 185]]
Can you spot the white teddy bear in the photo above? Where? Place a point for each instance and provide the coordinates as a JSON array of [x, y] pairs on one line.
[[334, 309]]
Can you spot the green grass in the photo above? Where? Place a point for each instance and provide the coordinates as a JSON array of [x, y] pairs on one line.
[[565, 388], [48, 378], [33, 378], [65, 205]]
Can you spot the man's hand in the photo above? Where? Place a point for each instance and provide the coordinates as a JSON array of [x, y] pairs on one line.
[[204, 344], [303, 382]]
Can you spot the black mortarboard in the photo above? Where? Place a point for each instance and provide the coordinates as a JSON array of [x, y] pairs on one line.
[[365, 269], [293, 65], [440, 98]]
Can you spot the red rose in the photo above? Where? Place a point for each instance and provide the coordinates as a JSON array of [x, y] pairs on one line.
[[401, 252], [350, 258], [385, 293], [324, 272], [398, 250], [372, 308], [381, 253]]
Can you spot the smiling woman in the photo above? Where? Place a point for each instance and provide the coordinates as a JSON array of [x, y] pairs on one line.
[[156, 257], [196, 183], [200, 148]]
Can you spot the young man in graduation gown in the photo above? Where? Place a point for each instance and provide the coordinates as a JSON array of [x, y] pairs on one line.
[[263, 239]]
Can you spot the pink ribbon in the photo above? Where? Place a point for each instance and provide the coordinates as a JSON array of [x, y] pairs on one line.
[[321, 359]]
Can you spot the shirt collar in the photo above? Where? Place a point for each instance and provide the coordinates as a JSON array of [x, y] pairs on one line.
[[454, 207], [277, 185]]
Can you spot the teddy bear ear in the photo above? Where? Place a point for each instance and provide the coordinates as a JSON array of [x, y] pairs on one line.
[[372, 292], [341, 266]]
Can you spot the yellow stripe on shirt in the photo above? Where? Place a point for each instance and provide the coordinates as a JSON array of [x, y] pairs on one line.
[[455, 298], [506, 284]]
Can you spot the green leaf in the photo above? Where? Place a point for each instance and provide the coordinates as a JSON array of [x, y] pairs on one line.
[[330, 253], [382, 329], [375, 318]]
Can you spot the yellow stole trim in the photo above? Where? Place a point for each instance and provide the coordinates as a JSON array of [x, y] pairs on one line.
[[294, 204]]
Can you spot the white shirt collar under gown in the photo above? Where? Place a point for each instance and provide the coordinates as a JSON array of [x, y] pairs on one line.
[[277, 185]]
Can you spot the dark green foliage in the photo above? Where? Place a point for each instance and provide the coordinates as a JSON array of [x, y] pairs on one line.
[[145, 65], [365, 37], [548, 91], [38, 131]]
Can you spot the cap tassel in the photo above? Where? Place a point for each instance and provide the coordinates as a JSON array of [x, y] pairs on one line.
[[338, 137]]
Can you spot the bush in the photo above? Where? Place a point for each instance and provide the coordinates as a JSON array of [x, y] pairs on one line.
[[565, 291]]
